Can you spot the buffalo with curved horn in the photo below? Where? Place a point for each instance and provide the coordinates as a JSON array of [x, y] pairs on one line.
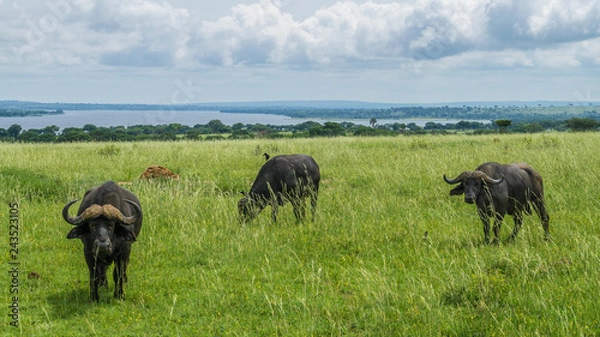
[[498, 189], [109, 219]]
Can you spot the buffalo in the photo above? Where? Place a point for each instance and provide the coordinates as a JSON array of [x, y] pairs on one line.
[[498, 189], [109, 219], [283, 178]]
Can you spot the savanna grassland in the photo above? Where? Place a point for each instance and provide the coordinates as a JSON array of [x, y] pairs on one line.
[[390, 252]]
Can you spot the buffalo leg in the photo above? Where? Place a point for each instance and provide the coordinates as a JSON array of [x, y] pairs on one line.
[[97, 279], [120, 277], [299, 205], [497, 226], [540, 209], [97, 272], [303, 208], [546, 225], [518, 218], [102, 281], [485, 219], [486, 225], [93, 285]]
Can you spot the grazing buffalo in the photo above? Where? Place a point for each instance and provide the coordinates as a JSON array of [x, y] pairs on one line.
[[498, 189], [108, 221], [290, 178]]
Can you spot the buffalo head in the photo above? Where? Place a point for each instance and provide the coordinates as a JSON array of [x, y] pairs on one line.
[[101, 225], [249, 207], [470, 183]]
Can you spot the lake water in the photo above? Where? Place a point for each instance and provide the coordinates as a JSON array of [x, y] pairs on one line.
[[107, 118]]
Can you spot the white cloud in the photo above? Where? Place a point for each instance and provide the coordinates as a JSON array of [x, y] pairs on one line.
[[420, 30], [349, 31], [542, 22], [252, 34], [564, 19], [148, 33], [117, 31]]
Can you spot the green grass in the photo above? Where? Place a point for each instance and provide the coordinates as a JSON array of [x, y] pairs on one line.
[[363, 268]]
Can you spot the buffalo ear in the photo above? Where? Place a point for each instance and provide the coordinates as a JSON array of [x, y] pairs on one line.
[[125, 232], [79, 232], [458, 190]]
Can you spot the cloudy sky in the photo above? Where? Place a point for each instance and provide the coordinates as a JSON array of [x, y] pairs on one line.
[[409, 51]]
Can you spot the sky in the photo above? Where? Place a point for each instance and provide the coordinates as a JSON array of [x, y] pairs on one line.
[[195, 51]]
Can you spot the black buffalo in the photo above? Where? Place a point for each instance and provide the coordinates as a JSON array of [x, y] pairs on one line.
[[498, 189], [290, 178], [109, 219]]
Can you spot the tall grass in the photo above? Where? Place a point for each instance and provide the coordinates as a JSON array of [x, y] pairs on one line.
[[391, 253]]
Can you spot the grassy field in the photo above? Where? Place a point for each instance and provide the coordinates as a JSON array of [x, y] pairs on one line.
[[363, 268]]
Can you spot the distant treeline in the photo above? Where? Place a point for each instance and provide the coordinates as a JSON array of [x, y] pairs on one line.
[[215, 130], [25, 113], [542, 111], [514, 113]]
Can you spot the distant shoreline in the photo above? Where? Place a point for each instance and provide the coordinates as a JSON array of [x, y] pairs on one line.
[[110, 118], [284, 105], [289, 112], [28, 113]]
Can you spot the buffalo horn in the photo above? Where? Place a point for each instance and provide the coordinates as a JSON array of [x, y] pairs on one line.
[[95, 211], [111, 212], [491, 180], [91, 212], [457, 179]]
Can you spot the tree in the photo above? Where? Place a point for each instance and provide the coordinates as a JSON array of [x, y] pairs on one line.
[[365, 131], [332, 129], [14, 130], [89, 127], [51, 130], [581, 124], [503, 124], [100, 134], [167, 136], [373, 122], [240, 134], [177, 128], [237, 126], [433, 126], [29, 135], [307, 126], [261, 128], [533, 128], [46, 138], [412, 126], [347, 125], [215, 125], [397, 126], [192, 134], [315, 131], [73, 135]]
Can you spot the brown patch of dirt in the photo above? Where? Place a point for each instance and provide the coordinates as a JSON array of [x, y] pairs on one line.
[[155, 171]]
